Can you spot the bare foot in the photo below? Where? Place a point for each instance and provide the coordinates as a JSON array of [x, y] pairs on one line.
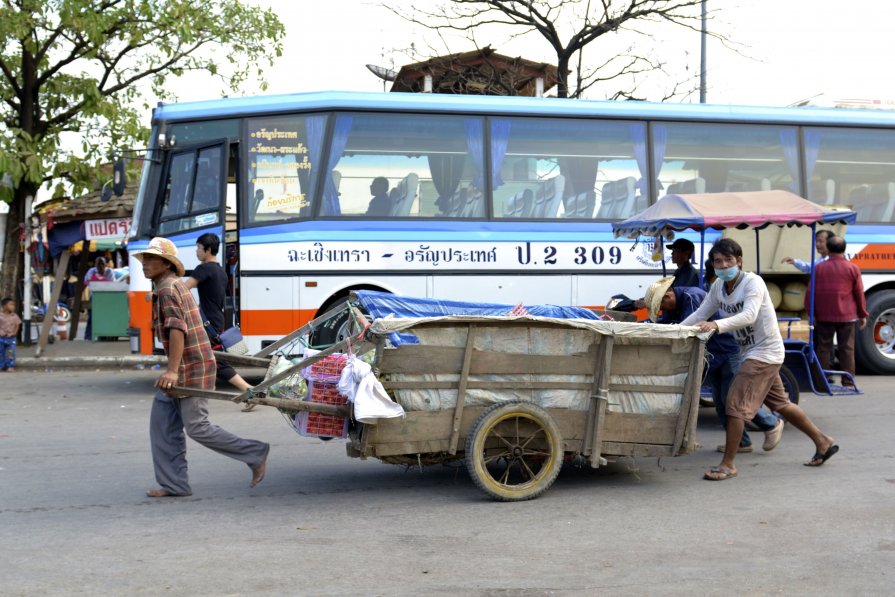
[[157, 493], [248, 408]]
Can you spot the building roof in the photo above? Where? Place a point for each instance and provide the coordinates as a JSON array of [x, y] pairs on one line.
[[479, 72], [89, 207]]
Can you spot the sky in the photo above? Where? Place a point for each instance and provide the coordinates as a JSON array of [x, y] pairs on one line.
[[788, 50]]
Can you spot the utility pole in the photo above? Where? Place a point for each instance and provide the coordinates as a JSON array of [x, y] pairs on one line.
[[702, 57]]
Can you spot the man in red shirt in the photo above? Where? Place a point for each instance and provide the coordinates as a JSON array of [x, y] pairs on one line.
[[176, 321], [839, 305]]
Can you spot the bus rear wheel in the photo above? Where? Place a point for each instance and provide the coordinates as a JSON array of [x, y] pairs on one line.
[[875, 346]]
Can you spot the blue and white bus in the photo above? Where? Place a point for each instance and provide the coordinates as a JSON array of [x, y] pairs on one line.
[[498, 199]]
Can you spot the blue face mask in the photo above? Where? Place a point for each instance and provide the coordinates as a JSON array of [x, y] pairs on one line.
[[727, 274]]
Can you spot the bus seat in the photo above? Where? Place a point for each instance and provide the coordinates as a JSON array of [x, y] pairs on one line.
[[457, 203], [580, 205], [749, 185], [547, 197], [615, 197], [570, 206], [474, 206], [823, 191], [519, 205], [404, 194], [874, 203], [641, 203], [886, 216], [687, 187]]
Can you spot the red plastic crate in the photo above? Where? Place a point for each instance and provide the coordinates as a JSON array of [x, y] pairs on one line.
[[327, 369], [319, 424]]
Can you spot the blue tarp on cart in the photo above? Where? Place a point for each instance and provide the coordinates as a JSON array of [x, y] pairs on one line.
[[384, 304]]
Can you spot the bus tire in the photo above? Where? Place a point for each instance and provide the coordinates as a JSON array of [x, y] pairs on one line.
[[514, 451], [875, 346], [333, 330]]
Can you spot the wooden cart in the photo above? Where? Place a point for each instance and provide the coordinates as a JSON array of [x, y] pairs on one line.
[[516, 396]]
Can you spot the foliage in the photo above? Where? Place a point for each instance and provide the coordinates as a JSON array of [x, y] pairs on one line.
[[73, 70], [74, 76]]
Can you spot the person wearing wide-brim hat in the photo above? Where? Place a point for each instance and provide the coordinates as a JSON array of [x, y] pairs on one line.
[[685, 275], [177, 323], [654, 295]]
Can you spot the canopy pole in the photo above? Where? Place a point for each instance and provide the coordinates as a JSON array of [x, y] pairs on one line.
[[811, 290], [757, 254], [702, 258], [662, 253]]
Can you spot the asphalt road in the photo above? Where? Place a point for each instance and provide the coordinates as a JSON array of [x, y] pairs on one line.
[[75, 462]]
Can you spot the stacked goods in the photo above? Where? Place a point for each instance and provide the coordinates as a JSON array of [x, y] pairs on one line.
[[323, 378], [794, 296], [776, 295]]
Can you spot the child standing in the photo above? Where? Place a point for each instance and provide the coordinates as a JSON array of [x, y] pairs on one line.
[[61, 322], [9, 329]]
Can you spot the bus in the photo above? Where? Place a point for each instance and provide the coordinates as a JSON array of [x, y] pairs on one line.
[[478, 198]]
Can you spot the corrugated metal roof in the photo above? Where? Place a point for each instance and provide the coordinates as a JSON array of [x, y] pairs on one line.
[[89, 207]]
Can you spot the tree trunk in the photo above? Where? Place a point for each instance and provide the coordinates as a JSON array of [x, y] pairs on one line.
[[11, 275], [562, 76]]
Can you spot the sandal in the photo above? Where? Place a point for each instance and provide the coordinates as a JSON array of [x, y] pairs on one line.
[[818, 459], [719, 473]]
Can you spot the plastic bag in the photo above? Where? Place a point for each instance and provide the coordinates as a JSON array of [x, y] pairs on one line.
[[293, 386], [360, 386]]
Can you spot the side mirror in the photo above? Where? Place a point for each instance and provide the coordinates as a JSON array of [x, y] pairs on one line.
[[118, 177]]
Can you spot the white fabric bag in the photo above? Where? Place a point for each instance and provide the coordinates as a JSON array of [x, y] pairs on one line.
[[360, 386]]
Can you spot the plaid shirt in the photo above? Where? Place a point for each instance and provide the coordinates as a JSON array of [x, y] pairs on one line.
[[173, 307]]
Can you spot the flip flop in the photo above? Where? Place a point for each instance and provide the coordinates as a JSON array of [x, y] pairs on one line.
[[818, 459], [724, 472]]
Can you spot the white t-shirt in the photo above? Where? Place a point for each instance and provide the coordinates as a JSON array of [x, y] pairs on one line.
[[749, 314]]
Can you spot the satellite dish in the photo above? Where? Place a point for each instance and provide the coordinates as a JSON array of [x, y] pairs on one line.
[[386, 74]]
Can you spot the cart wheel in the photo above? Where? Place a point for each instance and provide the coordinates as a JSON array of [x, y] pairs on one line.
[[790, 384], [514, 451]]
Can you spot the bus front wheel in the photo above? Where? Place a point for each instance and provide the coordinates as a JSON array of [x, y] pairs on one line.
[[875, 346], [333, 330]]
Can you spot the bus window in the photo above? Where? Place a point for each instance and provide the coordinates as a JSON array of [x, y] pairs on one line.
[[564, 168], [852, 167], [403, 165], [193, 189], [283, 153], [188, 133], [712, 158]]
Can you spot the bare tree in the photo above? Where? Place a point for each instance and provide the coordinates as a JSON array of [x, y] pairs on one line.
[[569, 26]]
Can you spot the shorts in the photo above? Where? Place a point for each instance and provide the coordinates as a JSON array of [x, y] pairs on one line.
[[756, 383]]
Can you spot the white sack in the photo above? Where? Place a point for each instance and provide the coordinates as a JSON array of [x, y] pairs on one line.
[[360, 386]]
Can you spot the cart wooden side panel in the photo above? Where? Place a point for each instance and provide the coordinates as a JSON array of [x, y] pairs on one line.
[[427, 432], [591, 430]]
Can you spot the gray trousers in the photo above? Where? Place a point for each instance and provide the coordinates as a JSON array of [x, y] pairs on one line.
[[169, 419]]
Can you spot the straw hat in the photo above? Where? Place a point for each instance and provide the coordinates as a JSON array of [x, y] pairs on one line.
[[165, 249], [654, 294]]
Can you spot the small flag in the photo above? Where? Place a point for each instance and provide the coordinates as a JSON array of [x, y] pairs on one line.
[[519, 311]]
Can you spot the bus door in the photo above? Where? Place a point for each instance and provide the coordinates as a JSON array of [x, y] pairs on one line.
[[198, 190]]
